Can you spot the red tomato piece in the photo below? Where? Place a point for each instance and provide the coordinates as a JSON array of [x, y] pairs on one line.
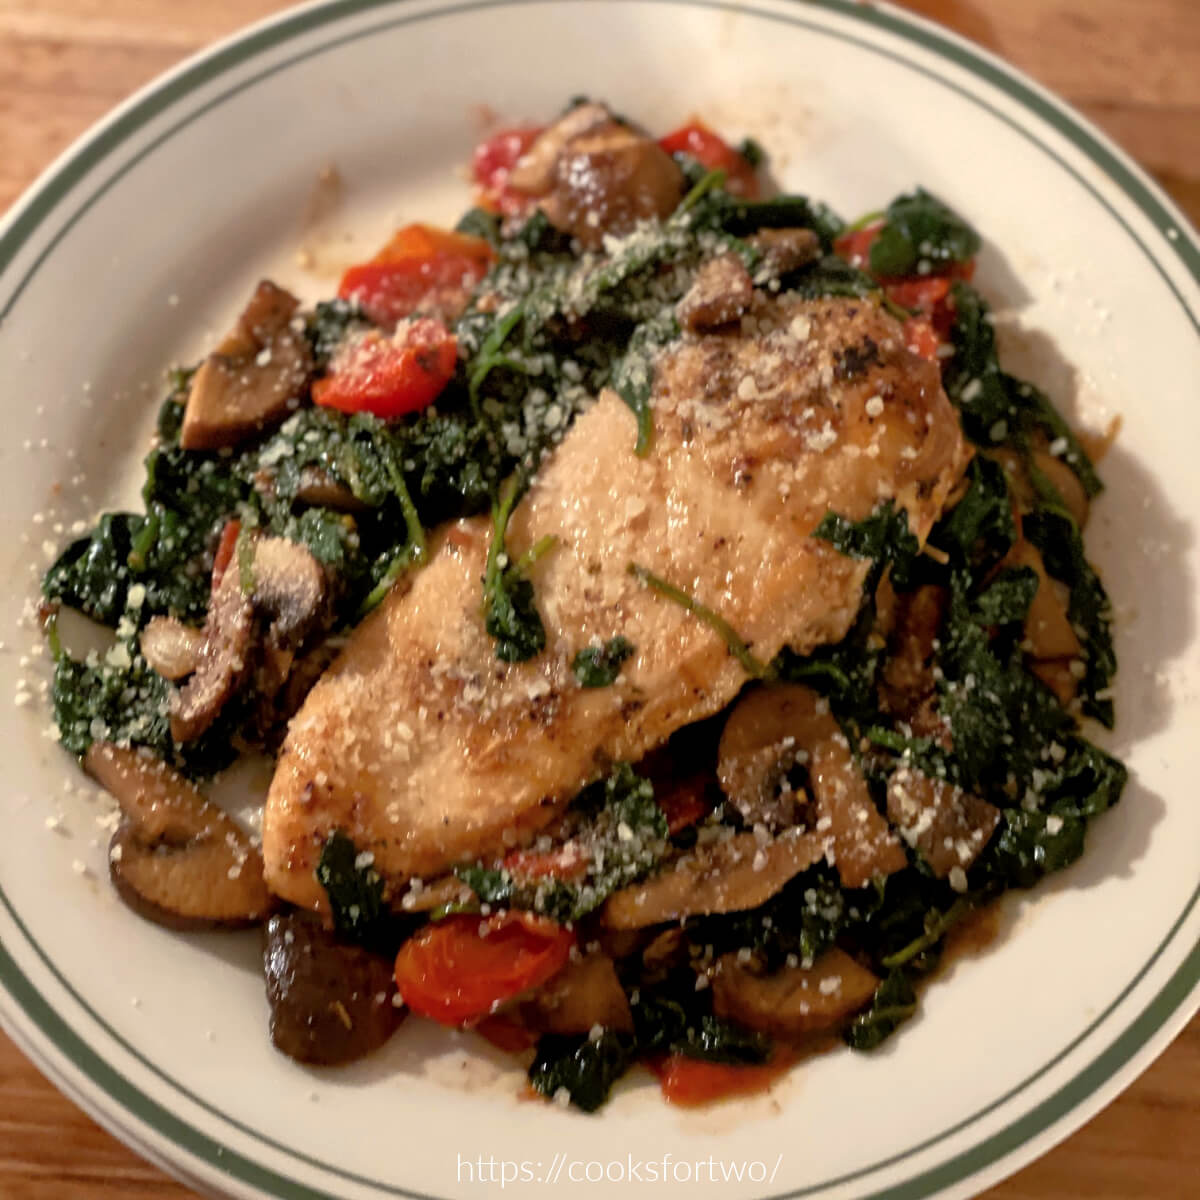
[[921, 293], [715, 153], [390, 376], [856, 246], [492, 163], [563, 862], [418, 265], [463, 967], [225, 548], [690, 1081]]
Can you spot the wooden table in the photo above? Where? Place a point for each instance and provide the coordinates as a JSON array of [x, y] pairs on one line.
[[1133, 66]]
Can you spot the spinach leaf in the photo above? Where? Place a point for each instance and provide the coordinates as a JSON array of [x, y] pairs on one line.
[[617, 834], [894, 1002], [1058, 538], [917, 228], [672, 1019], [1030, 845], [478, 222], [509, 613], [599, 666], [355, 892], [979, 529], [585, 1067], [93, 574], [328, 325], [1006, 598], [882, 537]]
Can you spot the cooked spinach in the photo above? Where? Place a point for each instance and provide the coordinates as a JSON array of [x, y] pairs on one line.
[[599, 666], [618, 834], [883, 537], [356, 896], [673, 1018], [509, 612], [894, 1002], [919, 228], [583, 1067]]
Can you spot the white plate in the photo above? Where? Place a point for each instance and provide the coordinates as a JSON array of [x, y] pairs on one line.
[[139, 243]]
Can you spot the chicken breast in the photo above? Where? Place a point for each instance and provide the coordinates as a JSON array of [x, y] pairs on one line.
[[428, 751]]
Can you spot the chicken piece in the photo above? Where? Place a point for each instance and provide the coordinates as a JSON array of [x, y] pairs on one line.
[[428, 751]]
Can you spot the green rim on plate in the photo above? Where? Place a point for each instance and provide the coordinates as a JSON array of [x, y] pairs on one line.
[[29, 217]]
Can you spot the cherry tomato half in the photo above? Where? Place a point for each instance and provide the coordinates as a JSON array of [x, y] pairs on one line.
[[691, 1081], [462, 967], [390, 376], [715, 153], [492, 163]]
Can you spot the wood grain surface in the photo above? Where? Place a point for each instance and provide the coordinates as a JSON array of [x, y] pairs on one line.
[[1133, 66]]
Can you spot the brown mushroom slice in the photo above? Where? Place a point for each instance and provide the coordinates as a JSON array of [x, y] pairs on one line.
[[907, 678], [793, 1001], [533, 172], [1048, 629], [228, 635], [171, 647], [784, 250], [947, 825], [583, 995], [321, 490], [253, 379], [1066, 483], [732, 875], [289, 586], [176, 859], [774, 727], [330, 1003], [608, 180], [720, 293]]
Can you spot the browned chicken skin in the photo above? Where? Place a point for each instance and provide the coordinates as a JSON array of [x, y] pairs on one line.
[[428, 751]]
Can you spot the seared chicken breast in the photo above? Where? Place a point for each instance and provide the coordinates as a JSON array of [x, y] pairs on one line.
[[427, 751]]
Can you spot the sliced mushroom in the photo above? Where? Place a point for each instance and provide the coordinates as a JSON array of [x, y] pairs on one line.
[[330, 1003], [793, 1000], [289, 587], [1048, 629], [609, 179], [253, 379], [720, 293], [534, 170], [425, 897], [732, 875], [171, 647], [774, 727], [176, 859], [223, 660], [907, 678], [321, 490], [785, 250], [947, 825], [581, 996]]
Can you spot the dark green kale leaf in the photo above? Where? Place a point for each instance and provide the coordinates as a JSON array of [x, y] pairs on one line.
[[1058, 538], [118, 698], [599, 666], [478, 222], [586, 1067], [509, 612], [722, 212], [93, 574], [894, 1002], [979, 529], [633, 374], [1030, 845], [355, 892], [1006, 599], [920, 227], [832, 276], [618, 833], [673, 1018], [882, 537]]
